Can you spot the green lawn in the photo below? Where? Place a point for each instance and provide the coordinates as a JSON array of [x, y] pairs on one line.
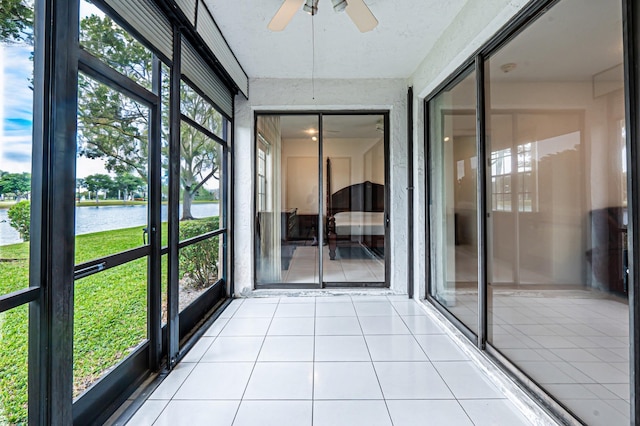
[[109, 316]]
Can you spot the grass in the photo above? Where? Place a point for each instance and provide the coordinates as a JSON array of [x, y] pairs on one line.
[[110, 316]]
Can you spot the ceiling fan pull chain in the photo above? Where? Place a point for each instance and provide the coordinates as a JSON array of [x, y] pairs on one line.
[[313, 60]]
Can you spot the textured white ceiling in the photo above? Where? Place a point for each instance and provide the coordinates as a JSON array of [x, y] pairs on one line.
[[406, 31]]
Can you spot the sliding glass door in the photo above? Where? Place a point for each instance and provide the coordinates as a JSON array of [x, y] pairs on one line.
[[287, 200], [320, 183], [354, 182], [528, 169]]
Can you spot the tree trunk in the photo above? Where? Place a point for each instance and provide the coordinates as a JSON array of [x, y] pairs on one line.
[[187, 198]]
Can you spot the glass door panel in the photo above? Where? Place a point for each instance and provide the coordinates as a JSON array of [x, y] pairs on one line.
[[558, 296], [454, 206], [287, 200], [354, 190]]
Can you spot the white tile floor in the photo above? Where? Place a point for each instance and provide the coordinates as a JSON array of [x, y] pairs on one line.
[[330, 361], [572, 343], [304, 268]]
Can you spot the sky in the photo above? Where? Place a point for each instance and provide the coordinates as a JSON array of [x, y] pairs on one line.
[[16, 109]]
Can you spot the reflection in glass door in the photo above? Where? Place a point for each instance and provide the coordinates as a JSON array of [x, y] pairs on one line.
[[320, 190], [354, 182], [287, 200], [454, 166]]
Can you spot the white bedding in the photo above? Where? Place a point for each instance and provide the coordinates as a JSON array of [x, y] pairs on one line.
[[359, 223]]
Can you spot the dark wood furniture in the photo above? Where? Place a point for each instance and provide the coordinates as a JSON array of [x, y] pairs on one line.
[[609, 255], [289, 227], [360, 197]]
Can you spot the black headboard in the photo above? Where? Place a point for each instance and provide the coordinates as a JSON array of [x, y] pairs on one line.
[[360, 197]]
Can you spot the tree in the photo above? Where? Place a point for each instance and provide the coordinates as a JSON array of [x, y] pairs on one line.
[[79, 185], [199, 154], [98, 182], [20, 218], [16, 21], [15, 183], [127, 183], [113, 127]]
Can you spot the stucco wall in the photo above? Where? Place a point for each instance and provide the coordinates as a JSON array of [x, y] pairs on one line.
[[297, 95]]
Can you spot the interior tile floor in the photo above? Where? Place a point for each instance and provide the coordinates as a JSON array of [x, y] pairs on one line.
[[337, 360], [360, 267], [572, 340], [574, 343]]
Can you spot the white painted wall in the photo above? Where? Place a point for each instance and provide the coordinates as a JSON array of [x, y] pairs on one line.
[[348, 166], [298, 95]]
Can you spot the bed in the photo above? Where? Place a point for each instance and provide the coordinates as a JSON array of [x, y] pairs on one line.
[[355, 216]]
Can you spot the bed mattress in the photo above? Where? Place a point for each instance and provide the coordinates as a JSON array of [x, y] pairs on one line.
[[359, 223]]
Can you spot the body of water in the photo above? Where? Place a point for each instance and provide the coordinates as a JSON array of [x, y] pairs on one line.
[[105, 218]]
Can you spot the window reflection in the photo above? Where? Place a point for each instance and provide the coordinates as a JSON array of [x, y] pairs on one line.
[[558, 253], [454, 204]]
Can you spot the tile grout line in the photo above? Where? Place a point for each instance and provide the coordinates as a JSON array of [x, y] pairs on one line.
[[372, 364], [191, 372], [159, 414], [313, 364], [255, 363], [434, 367]]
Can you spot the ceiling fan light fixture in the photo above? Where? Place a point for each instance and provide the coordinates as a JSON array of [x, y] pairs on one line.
[[356, 9], [311, 6], [339, 5]]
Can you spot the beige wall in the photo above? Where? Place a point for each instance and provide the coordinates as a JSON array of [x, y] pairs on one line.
[[571, 182], [353, 161]]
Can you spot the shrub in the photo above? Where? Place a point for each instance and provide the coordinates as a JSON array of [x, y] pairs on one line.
[[20, 218], [199, 262]]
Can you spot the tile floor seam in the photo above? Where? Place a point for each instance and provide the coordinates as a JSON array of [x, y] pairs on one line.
[[515, 395], [459, 401], [466, 412], [160, 413], [414, 335], [429, 359], [313, 364], [181, 384], [373, 364], [254, 364]]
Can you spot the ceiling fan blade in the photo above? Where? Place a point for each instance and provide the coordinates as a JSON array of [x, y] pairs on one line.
[[284, 14], [361, 15]]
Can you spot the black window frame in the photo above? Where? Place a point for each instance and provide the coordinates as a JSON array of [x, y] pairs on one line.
[[58, 58]]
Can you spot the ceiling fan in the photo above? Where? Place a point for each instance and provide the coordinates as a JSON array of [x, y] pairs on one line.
[[356, 9]]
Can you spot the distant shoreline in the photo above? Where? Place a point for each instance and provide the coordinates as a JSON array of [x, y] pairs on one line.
[[109, 203]]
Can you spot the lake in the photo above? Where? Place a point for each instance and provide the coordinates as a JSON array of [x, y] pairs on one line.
[[105, 218]]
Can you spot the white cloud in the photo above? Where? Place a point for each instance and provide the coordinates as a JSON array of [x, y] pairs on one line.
[[16, 110], [87, 166]]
